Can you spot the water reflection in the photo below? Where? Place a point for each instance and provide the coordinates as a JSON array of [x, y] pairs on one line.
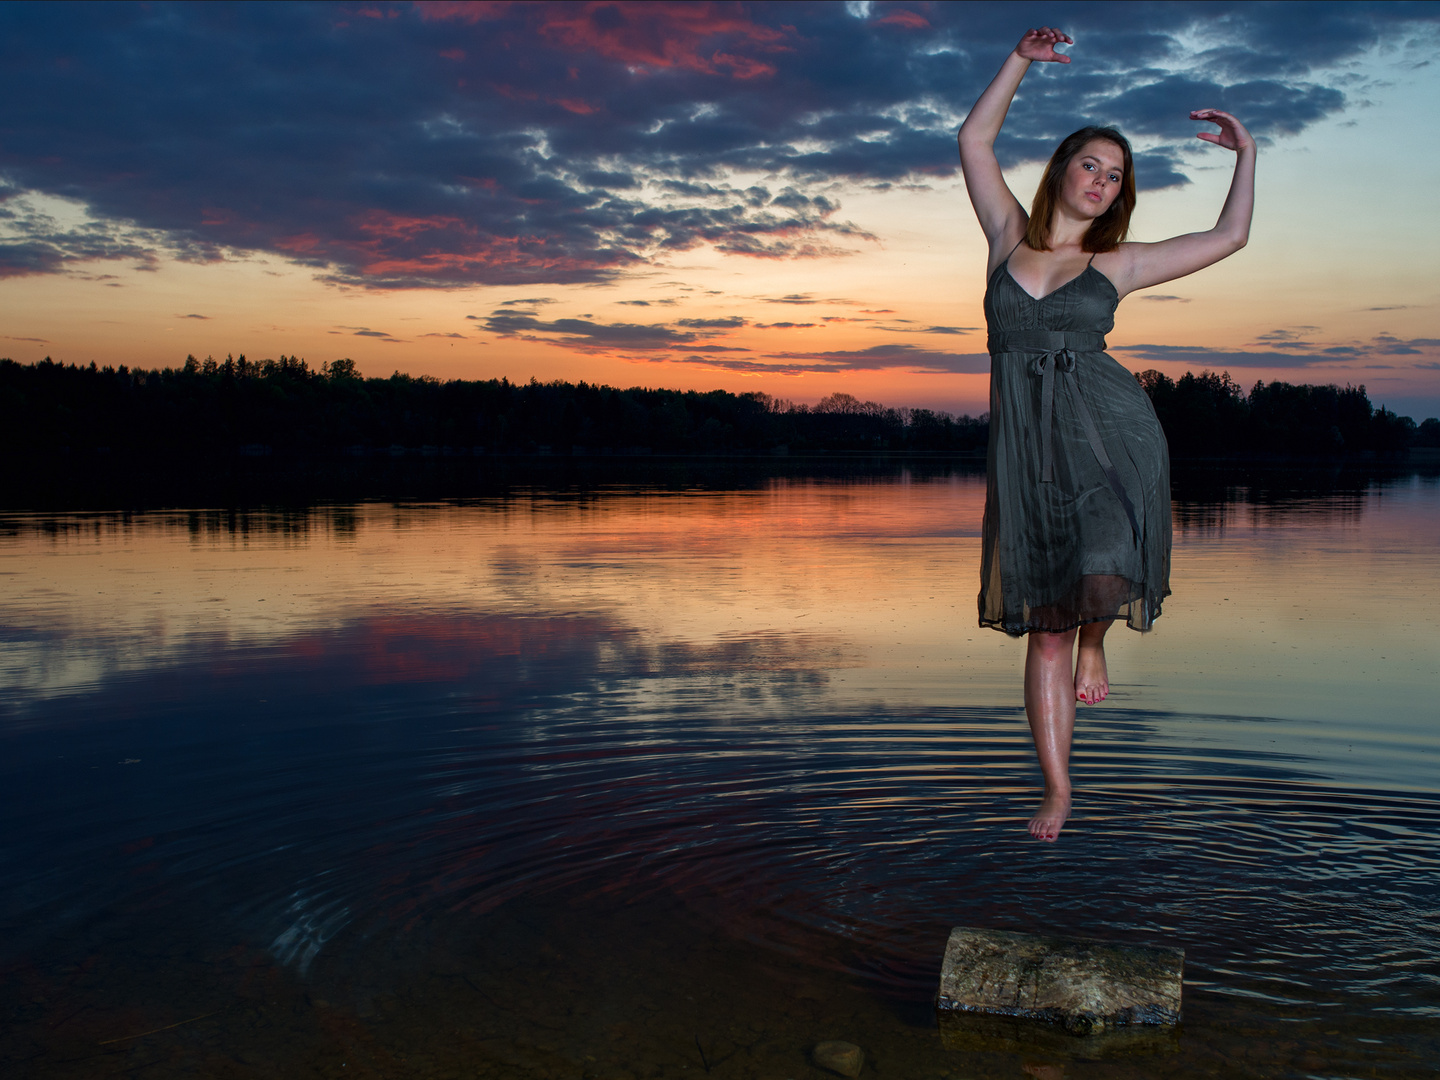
[[397, 764]]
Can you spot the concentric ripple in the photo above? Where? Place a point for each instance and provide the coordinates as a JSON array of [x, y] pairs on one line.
[[848, 840]]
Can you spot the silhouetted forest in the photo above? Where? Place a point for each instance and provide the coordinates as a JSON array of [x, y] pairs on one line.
[[210, 409], [236, 406], [1209, 415]]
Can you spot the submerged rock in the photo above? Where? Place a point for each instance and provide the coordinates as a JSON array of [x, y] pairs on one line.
[[1085, 985], [844, 1058]]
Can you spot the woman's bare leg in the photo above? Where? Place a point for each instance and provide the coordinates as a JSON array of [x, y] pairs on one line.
[[1092, 679], [1050, 708]]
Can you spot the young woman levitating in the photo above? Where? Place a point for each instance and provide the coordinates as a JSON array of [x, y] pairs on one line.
[[1077, 505]]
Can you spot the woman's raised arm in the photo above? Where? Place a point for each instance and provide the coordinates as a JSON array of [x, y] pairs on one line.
[[1139, 266], [1002, 218]]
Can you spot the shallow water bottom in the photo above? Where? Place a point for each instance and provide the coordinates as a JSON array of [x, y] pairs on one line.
[[539, 989]]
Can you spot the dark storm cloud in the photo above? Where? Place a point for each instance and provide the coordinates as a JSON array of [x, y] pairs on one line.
[[444, 144]]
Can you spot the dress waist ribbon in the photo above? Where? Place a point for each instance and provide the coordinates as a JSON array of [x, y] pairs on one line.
[[1051, 353]]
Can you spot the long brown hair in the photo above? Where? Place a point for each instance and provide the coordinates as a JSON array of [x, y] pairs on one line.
[[1106, 231]]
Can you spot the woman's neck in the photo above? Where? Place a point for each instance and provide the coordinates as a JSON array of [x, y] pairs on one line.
[[1066, 233]]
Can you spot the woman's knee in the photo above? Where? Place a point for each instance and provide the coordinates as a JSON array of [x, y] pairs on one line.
[[1052, 646]]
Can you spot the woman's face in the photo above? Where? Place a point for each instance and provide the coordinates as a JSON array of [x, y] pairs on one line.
[[1092, 178]]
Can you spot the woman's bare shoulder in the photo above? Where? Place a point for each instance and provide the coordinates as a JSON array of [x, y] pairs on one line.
[[1118, 264]]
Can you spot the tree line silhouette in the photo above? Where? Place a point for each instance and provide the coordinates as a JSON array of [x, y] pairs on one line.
[[208, 409], [1210, 415]]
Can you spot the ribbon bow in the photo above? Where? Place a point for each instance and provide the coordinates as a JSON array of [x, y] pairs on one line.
[[1052, 352], [1045, 365]]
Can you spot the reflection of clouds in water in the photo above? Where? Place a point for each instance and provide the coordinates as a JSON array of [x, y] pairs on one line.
[[506, 657], [497, 660]]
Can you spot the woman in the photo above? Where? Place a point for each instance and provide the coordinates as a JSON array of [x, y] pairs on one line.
[[1077, 509]]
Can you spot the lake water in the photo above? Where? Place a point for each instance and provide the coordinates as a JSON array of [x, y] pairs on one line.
[[633, 782]]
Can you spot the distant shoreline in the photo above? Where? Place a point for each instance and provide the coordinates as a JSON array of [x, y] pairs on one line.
[[243, 426], [121, 483]]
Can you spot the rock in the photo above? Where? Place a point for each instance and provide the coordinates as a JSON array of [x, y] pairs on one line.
[[1085, 985], [844, 1058]]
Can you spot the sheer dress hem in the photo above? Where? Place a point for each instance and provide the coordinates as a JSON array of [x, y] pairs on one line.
[[1143, 625]]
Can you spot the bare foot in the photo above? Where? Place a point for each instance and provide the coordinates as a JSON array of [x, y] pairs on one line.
[[1092, 680], [1050, 818]]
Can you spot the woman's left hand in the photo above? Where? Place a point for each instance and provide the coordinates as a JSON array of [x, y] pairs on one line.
[[1232, 134]]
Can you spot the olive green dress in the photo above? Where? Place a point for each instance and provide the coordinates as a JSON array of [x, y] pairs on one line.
[[1077, 504]]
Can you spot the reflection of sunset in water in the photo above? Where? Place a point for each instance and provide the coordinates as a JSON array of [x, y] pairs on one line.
[[1302, 608], [409, 768]]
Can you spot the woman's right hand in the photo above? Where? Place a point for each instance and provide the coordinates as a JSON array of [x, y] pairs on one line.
[[1040, 45]]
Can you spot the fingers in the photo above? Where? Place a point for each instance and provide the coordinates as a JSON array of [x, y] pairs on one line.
[[1050, 35], [1039, 44], [1233, 135], [1213, 115]]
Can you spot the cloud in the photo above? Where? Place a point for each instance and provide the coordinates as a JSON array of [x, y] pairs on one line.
[[925, 329], [461, 337], [1393, 346], [205, 318], [1309, 354], [1162, 297], [729, 322], [803, 300], [449, 145], [1197, 356], [588, 335], [45, 235], [901, 356], [365, 331], [754, 367], [876, 358]]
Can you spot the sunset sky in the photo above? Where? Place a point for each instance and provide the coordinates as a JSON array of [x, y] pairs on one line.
[[747, 196]]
